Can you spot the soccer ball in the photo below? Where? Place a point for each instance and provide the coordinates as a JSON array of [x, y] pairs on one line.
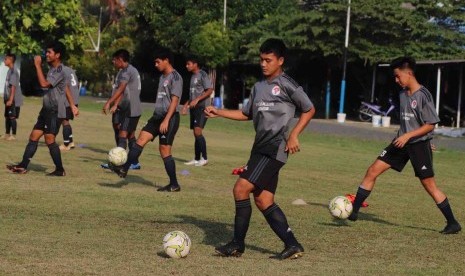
[[117, 156], [177, 244], [340, 207]]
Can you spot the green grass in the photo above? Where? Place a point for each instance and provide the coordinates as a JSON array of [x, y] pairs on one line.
[[91, 222]]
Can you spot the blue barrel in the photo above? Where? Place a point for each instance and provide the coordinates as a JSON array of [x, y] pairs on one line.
[[217, 102], [83, 91]]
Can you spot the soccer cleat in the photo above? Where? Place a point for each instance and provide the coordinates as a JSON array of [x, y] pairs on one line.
[[291, 252], [16, 169], [201, 162], [64, 148], [170, 188], [231, 249], [57, 173], [353, 216], [11, 138], [119, 171], [451, 228], [192, 162], [105, 166], [135, 166]]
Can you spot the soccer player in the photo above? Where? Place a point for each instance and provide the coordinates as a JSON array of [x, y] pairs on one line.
[[164, 123], [12, 97], [417, 119], [73, 85], [274, 103], [199, 97], [125, 103], [53, 110]]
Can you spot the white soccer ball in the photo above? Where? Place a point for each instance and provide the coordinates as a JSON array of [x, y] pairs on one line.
[[340, 207], [177, 244], [117, 156]]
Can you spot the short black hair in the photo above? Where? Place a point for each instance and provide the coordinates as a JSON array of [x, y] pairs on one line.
[[11, 55], [275, 46], [404, 63], [193, 59], [58, 48], [122, 53], [164, 54]]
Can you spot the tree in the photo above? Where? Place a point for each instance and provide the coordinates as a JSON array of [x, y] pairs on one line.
[[26, 25], [213, 45]]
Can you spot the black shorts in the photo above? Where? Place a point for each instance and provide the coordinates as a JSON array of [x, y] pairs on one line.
[[129, 124], [153, 127], [198, 117], [48, 122], [263, 172], [69, 113], [118, 116], [12, 111], [419, 154]]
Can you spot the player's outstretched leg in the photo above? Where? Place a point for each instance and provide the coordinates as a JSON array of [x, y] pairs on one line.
[[278, 222], [362, 194], [170, 167], [453, 226], [236, 247]]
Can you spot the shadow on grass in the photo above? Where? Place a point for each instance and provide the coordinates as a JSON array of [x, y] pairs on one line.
[[97, 150], [217, 233], [129, 179]]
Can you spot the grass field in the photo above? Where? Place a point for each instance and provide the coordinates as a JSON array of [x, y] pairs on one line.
[[91, 222]]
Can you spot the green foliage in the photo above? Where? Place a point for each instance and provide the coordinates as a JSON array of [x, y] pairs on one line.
[[26, 25], [379, 30], [213, 44]]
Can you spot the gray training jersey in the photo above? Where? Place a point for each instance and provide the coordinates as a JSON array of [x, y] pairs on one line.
[[199, 83], [273, 105], [12, 79], [73, 84], [168, 86], [131, 95], [415, 111], [54, 97]]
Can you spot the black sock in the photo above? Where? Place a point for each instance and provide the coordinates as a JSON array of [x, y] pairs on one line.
[[170, 168], [29, 152], [13, 126], [203, 147], [131, 143], [134, 152], [66, 134], [242, 219], [7, 125], [278, 222], [56, 156], [362, 194], [197, 149], [116, 132], [446, 210], [123, 142]]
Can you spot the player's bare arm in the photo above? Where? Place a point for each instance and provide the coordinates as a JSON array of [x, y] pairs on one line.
[[169, 114], [237, 115], [116, 95], [206, 94], [70, 99], [40, 74], [12, 96], [292, 145], [401, 141]]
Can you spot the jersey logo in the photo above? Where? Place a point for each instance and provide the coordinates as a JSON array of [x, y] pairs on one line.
[[276, 90], [165, 83], [413, 104]]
